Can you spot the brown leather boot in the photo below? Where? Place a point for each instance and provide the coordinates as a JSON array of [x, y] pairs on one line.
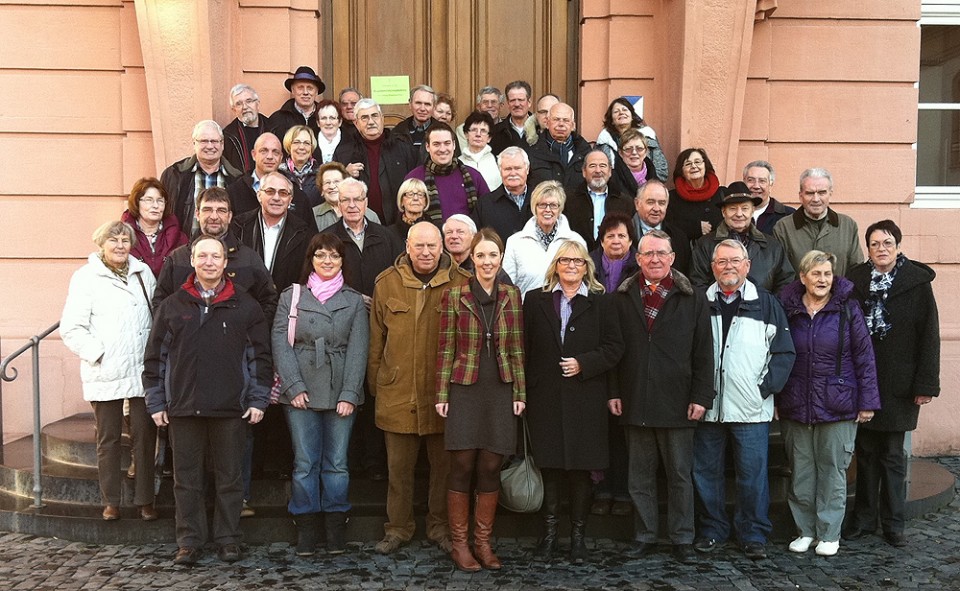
[[486, 512], [458, 513]]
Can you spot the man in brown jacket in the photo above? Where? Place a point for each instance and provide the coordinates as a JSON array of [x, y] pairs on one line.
[[401, 374]]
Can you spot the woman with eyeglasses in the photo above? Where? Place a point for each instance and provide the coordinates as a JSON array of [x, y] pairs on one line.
[[330, 118], [529, 251], [328, 182], [477, 152], [321, 377], [572, 340], [697, 194], [300, 166], [411, 203], [621, 117], [157, 231], [637, 167]]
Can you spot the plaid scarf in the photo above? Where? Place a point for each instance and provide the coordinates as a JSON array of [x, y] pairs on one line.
[[545, 238], [432, 170], [653, 297], [877, 316], [121, 272], [561, 149]]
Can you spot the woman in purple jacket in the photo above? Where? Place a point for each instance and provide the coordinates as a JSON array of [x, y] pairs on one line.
[[832, 388]]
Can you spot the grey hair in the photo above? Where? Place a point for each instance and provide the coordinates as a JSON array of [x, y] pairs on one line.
[[652, 183], [351, 182], [762, 164], [600, 150], [655, 234], [816, 173], [366, 103], [349, 89], [204, 124], [815, 258], [463, 219], [730, 243], [278, 174], [489, 90], [424, 88], [111, 229], [515, 151], [237, 89]]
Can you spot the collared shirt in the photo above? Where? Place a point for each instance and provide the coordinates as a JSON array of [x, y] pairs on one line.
[[357, 237], [306, 116], [739, 292], [518, 198], [521, 129], [201, 181], [644, 228], [256, 181], [599, 205], [566, 305], [271, 238]]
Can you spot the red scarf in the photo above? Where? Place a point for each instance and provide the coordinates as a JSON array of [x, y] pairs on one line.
[[704, 193]]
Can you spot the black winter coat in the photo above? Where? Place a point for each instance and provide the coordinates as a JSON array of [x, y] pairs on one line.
[[687, 215], [235, 148], [568, 417], [179, 181], [665, 369], [769, 266], [579, 211], [908, 357], [496, 210], [545, 164], [397, 158], [381, 247], [291, 247], [243, 199]]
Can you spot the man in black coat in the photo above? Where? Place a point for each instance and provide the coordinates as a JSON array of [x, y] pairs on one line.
[[593, 199], [651, 205], [241, 134], [267, 155], [507, 208], [512, 131], [662, 388], [759, 177], [207, 168], [558, 154], [422, 101], [305, 88], [380, 160]]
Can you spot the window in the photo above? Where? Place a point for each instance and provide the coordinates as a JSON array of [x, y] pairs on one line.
[[938, 120]]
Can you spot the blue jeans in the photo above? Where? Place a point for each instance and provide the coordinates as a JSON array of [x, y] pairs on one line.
[[750, 444], [320, 475]]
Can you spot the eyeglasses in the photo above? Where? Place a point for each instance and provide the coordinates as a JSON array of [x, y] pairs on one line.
[[160, 202], [658, 254], [301, 143], [693, 163], [369, 117], [249, 103], [208, 142], [633, 150], [734, 262], [886, 245], [270, 192], [217, 210], [575, 261], [545, 206], [327, 256], [415, 194]]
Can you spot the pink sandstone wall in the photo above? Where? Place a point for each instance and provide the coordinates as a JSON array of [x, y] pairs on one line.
[[816, 85]]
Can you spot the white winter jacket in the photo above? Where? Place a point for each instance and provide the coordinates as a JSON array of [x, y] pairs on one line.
[[486, 163], [524, 259], [106, 323]]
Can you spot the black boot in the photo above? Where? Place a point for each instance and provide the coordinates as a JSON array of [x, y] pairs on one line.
[[307, 538], [336, 526], [547, 546], [579, 509]]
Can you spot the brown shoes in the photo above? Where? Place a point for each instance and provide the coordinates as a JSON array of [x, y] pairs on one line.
[[484, 513], [111, 513], [458, 512], [148, 512], [187, 556]]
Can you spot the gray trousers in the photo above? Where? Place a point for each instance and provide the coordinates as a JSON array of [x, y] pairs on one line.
[[819, 456], [647, 447]]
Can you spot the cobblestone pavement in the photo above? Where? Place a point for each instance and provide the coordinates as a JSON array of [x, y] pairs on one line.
[[932, 561]]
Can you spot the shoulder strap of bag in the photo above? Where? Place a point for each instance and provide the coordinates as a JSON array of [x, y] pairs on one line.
[[844, 312], [143, 288], [292, 323]]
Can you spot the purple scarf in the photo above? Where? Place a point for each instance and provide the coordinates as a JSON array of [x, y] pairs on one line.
[[324, 290], [613, 270], [641, 175]]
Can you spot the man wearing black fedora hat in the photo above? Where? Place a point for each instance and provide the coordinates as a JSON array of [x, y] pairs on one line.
[[769, 266], [301, 109]]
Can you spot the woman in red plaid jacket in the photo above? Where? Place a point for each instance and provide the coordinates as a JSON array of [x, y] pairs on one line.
[[480, 389]]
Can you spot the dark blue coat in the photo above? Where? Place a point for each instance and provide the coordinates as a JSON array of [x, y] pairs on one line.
[[815, 393]]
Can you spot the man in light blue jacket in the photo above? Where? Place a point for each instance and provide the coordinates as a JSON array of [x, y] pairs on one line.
[[753, 355]]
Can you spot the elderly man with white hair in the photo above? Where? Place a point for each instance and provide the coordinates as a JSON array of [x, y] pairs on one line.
[[458, 232]]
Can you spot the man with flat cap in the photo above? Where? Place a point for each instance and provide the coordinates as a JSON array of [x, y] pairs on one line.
[[301, 109]]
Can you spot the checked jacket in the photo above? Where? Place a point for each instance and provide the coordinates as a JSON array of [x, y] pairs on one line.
[[462, 340]]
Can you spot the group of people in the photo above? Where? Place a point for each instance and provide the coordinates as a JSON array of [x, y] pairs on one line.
[[376, 292]]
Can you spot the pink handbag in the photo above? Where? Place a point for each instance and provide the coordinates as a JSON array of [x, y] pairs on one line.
[[291, 330]]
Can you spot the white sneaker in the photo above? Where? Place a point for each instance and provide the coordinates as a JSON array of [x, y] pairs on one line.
[[828, 548], [801, 544]]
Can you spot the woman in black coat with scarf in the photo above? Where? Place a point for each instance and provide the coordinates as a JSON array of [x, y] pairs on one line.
[[901, 314], [572, 335]]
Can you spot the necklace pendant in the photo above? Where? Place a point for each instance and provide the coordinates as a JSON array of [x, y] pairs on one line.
[[489, 353]]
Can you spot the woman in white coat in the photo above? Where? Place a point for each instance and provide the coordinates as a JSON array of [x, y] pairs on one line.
[[106, 320], [528, 252]]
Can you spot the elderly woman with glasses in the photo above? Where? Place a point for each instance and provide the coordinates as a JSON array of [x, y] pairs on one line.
[[529, 252], [106, 320], [157, 231], [697, 194], [572, 341], [411, 203], [300, 166]]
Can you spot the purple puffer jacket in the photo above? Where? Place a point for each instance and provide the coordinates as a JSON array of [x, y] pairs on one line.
[[814, 393]]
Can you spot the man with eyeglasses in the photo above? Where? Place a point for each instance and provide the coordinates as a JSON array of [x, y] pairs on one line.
[[760, 177], [306, 89], [559, 153], [589, 203], [267, 156], [661, 389], [769, 266], [240, 134], [349, 97], [185, 179], [816, 226], [754, 352], [378, 159]]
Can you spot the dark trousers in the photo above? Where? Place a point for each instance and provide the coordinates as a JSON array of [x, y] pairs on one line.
[[217, 443], [674, 447], [881, 480], [143, 436], [614, 483]]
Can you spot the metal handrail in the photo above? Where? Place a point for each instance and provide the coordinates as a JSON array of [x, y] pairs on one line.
[[33, 344]]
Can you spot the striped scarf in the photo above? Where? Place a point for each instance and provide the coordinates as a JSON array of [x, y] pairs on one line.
[[432, 170]]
